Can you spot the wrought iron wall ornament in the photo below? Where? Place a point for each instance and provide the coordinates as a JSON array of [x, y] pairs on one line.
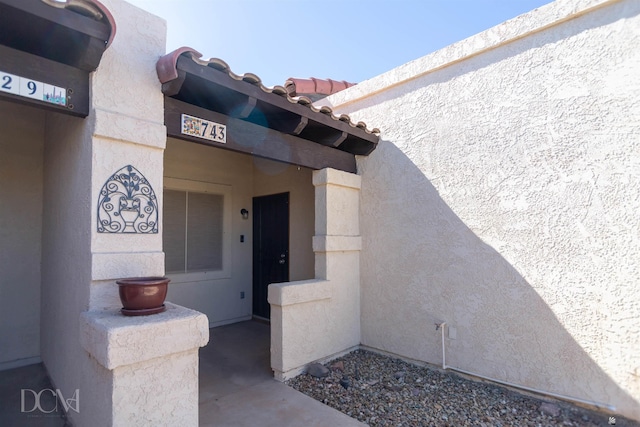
[[127, 204]]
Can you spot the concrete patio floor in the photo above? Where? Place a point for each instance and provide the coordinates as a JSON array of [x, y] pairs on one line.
[[237, 386], [32, 379]]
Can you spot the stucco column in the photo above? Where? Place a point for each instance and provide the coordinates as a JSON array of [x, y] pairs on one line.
[[319, 319], [125, 370], [149, 364]]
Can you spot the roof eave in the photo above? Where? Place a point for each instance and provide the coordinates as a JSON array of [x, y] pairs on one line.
[[72, 33], [212, 85]]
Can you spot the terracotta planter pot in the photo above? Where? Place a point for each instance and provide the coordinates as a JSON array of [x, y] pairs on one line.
[[142, 295]]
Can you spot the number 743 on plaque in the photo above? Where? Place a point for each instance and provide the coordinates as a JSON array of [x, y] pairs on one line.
[[204, 129]]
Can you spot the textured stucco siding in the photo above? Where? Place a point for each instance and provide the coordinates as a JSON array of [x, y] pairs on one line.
[[218, 298], [66, 259], [319, 319], [503, 199], [79, 265], [21, 154], [247, 177]]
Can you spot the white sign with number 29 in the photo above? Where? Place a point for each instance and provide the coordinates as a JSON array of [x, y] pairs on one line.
[[34, 89]]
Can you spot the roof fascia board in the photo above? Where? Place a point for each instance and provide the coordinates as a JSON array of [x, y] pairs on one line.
[[47, 71], [56, 33], [249, 138], [69, 19]]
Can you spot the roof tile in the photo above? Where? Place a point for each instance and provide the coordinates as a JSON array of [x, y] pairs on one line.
[[314, 86], [166, 68]]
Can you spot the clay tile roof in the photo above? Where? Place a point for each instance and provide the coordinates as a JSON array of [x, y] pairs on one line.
[[313, 86], [172, 77]]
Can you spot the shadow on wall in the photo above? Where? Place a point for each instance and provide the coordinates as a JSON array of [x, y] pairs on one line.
[[529, 144], [422, 265]]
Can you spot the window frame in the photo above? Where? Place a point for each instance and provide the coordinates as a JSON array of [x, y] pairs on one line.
[[223, 190]]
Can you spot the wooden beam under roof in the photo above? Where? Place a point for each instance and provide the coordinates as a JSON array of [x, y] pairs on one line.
[[249, 138], [73, 80]]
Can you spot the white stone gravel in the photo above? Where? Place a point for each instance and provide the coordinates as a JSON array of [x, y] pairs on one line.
[[383, 391]]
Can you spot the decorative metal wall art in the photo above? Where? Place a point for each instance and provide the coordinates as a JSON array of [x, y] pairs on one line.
[[127, 204]]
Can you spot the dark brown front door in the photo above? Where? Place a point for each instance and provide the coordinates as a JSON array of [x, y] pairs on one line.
[[270, 247]]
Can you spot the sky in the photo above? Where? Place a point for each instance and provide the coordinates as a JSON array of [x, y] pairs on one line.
[[352, 40]]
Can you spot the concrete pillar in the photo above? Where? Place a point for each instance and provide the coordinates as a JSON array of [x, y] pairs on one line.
[[149, 364], [319, 319], [125, 370]]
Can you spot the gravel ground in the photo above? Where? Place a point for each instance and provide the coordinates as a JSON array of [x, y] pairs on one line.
[[382, 391]]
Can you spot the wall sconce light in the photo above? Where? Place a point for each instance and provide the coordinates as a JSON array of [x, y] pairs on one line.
[[244, 213]]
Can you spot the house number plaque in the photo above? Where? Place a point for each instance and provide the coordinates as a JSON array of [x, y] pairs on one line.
[[29, 88], [205, 129]]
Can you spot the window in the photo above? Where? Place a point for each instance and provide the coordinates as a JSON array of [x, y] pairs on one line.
[[194, 227]]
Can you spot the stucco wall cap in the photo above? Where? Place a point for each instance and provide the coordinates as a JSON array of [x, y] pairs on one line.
[[537, 20], [115, 340], [303, 291], [336, 177]]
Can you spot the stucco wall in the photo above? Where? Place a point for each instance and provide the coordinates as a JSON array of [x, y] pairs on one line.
[[503, 199], [21, 154], [247, 177], [66, 254], [125, 126], [319, 319], [150, 363], [219, 299], [128, 129]]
